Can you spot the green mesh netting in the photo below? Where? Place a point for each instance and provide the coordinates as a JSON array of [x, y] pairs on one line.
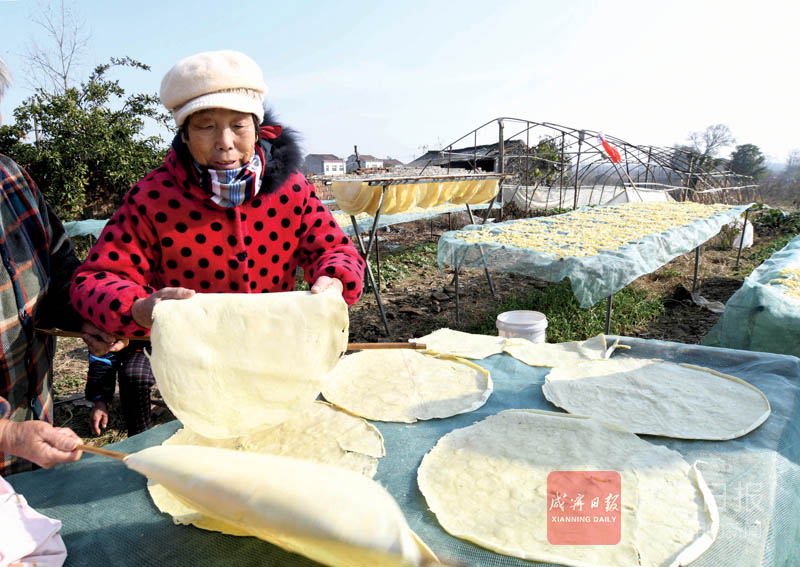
[[594, 277], [760, 316], [109, 519], [365, 221]]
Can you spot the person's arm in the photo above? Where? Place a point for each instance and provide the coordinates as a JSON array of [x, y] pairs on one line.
[[117, 272], [55, 310], [326, 253], [39, 442], [100, 383]]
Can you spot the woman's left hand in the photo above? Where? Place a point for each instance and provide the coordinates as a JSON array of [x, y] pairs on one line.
[[324, 283]]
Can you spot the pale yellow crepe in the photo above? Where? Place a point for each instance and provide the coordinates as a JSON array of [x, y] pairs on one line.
[[429, 195], [405, 385], [487, 189], [406, 196], [330, 514], [487, 483], [223, 367], [319, 433], [458, 343], [446, 190], [351, 196], [390, 203], [465, 191], [556, 354], [656, 397]]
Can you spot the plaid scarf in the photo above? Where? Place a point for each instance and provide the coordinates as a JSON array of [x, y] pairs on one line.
[[232, 187]]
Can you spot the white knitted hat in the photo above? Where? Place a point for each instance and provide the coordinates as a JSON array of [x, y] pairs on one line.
[[214, 79]]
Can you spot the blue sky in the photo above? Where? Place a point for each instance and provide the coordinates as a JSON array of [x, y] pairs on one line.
[[393, 77]]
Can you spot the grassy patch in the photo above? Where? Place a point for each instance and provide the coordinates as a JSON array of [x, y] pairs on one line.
[[397, 265], [567, 321], [762, 254], [68, 385]]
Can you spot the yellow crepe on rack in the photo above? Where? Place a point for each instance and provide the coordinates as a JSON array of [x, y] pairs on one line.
[[429, 196], [487, 189]]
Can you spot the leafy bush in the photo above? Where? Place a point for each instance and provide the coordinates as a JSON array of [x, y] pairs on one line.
[[775, 221], [91, 145]]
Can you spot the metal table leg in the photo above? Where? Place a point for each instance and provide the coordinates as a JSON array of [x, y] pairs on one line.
[[696, 269], [365, 251], [455, 282], [483, 258], [741, 238]]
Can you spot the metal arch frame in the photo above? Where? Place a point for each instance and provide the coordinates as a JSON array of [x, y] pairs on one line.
[[670, 169], [655, 162]]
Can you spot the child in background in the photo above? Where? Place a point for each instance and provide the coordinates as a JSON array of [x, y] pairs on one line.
[[135, 383]]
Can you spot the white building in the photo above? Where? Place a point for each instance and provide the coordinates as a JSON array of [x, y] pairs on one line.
[[367, 162], [324, 164]]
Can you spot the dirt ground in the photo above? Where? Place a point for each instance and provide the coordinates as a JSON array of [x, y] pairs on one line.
[[424, 301]]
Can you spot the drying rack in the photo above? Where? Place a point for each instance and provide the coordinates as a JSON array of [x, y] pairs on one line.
[[384, 183]]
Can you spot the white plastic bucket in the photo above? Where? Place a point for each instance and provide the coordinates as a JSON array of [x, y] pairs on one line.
[[530, 325]]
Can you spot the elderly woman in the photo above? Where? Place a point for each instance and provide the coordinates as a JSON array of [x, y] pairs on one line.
[[228, 211]]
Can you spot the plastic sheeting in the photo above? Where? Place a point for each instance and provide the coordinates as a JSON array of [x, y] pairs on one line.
[[536, 197], [108, 518], [593, 277], [760, 316], [91, 227]]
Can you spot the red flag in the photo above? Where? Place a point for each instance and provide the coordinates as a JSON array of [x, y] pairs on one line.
[[610, 150]]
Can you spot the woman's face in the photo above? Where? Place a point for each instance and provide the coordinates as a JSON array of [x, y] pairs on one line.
[[219, 138]]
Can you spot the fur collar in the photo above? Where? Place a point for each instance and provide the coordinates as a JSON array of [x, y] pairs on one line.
[[285, 159]]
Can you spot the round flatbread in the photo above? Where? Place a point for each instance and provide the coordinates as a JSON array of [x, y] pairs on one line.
[[404, 385], [248, 360], [461, 344], [488, 484], [319, 433], [656, 397]]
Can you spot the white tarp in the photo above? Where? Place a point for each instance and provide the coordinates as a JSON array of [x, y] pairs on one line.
[[538, 197]]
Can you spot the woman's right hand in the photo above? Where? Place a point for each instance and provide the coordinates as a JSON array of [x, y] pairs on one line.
[[142, 309], [39, 442]]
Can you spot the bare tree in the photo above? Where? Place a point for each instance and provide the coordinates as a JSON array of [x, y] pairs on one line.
[[793, 161], [710, 141], [54, 60]]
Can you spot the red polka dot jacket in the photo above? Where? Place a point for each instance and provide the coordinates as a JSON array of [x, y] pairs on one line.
[[169, 233]]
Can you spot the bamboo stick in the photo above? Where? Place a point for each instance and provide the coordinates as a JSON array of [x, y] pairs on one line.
[[103, 452], [350, 346]]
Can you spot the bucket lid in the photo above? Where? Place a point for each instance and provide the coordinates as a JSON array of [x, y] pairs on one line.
[[522, 319]]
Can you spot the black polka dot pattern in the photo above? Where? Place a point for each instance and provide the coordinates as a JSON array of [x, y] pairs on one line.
[[168, 233]]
